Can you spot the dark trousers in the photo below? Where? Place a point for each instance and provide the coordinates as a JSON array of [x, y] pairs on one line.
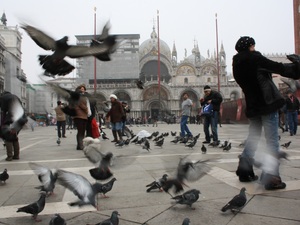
[[61, 128], [81, 127], [213, 122]]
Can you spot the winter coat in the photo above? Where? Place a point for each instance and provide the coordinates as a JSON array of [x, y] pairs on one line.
[[253, 72], [60, 115], [116, 113], [81, 109], [292, 106], [216, 100]]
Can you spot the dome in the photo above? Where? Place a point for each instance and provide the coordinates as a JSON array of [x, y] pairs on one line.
[[150, 47]]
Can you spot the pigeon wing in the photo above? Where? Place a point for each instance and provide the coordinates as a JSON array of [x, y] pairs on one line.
[[82, 51], [43, 173], [92, 153], [197, 171], [40, 38]]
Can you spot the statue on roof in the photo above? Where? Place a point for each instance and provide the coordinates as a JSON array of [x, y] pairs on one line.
[[3, 19]]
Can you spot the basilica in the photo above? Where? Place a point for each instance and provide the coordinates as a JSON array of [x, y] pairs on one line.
[[163, 90]]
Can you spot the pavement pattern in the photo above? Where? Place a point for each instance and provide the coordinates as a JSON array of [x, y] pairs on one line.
[[139, 168]]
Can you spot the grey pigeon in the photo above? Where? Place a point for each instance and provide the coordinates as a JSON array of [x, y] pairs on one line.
[[4, 176], [237, 203], [139, 84], [157, 184], [46, 177], [113, 220], [102, 172], [80, 186], [58, 141], [186, 221], [57, 220], [187, 198], [55, 64], [160, 142], [287, 144], [227, 148], [107, 187], [146, 145], [191, 144], [35, 208], [203, 149]]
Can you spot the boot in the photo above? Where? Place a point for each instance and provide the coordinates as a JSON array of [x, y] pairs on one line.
[[120, 135], [16, 150], [9, 150], [115, 136], [272, 182], [245, 170]]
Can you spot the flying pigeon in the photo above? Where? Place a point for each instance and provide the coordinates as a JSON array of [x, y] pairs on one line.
[[107, 187], [103, 171], [4, 176], [237, 203], [203, 149], [35, 208], [57, 220], [286, 145], [188, 198], [55, 64], [157, 184], [80, 186], [46, 177], [113, 220], [139, 84], [186, 170]]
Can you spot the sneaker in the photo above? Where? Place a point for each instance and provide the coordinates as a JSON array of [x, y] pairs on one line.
[[272, 182], [9, 159], [206, 142]]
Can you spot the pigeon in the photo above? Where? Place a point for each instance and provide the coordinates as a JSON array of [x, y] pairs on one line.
[[92, 150], [237, 203], [186, 170], [186, 221], [191, 144], [173, 133], [160, 142], [4, 176], [139, 84], [197, 136], [243, 143], [46, 177], [113, 220], [175, 141], [104, 137], [188, 198], [227, 148], [55, 64], [127, 141], [57, 220], [58, 141], [286, 145], [203, 149], [107, 187], [157, 184], [120, 143], [146, 145], [103, 171], [80, 186], [224, 144], [35, 208]]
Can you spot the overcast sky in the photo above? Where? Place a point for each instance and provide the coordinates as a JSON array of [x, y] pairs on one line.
[[269, 22]]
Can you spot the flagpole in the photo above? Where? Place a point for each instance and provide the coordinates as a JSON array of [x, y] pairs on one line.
[[158, 60], [217, 42], [95, 65]]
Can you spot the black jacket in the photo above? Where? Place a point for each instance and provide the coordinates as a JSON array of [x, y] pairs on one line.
[[253, 72], [216, 100], [292, 105]]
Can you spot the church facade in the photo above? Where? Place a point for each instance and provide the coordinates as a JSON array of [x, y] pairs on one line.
[[162, 94]]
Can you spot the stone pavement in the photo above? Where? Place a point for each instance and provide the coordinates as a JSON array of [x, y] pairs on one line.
[[139, 168]]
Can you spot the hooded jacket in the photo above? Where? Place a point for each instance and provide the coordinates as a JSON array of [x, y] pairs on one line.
[[253, 72]]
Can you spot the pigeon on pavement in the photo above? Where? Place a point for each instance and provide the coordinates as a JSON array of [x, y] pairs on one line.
[[157, 184], [159, 143], [113, 220], [203, 149], [107, 187], [55, 64], [187, 198], [4, 176], [287, 144], [80, 186], [35, 208], [186, 221], [57, 220], [46, 177], [237, 203], [227, 148], [146, 145]]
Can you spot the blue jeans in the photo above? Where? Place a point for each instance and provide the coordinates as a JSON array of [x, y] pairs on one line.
[[116, 126], [183, 126], [61, 128], [293, 121], [270, 124], [213, 122]]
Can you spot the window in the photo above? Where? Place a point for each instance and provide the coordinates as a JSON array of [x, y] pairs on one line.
[[208, 80], [186, 81]]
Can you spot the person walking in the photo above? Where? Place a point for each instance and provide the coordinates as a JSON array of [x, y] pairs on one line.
[[253, 72], [186, 106], [215, 99], [11, 105], [60, 120], [116, 113], [126, 110], [292, 109]]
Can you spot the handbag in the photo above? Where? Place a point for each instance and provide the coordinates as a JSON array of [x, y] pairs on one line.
[[207, 110], [95, 128]]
